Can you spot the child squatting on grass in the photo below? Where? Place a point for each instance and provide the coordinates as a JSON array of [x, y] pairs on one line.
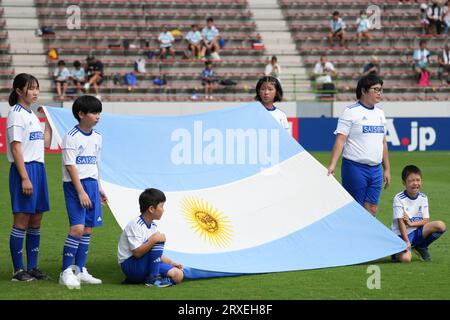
[[141, 246], [412, 219]]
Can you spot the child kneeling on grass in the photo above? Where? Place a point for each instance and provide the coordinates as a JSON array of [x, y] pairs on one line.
[[141, 246], [412, 218]]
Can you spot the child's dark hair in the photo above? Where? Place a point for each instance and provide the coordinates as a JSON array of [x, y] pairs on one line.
[[208, 62], [366, 82], [77, 64], [61, 63], [210, 19], [335, 13], [410, 169], [150, 197], [22, 81], [275, 82], [86, 104]]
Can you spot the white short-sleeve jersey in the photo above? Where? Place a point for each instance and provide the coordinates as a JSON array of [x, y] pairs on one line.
[[23, 126], [135, 234], [416, 208], [280, 117], [365, 130], [83, 151]]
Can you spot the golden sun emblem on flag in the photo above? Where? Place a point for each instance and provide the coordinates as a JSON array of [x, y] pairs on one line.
[[208, 221]]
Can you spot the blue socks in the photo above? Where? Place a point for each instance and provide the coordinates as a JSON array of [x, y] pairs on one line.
[[32, 247], [70, 251], [432, 237], [15, 246], [155, 259], [83, 247]]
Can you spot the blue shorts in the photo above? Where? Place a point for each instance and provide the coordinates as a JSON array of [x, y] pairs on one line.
[[77, 214], [137, 270], [37, 202], [415, 238], [363, 182]]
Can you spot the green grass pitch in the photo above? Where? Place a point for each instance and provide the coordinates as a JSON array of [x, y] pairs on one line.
[[417, 280]]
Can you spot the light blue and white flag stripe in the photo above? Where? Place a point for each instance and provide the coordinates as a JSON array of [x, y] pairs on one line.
[[242, 195]]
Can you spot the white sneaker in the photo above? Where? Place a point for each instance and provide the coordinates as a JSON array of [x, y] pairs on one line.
[[87, 86], [69, 279], [99, 97], [85, 277]]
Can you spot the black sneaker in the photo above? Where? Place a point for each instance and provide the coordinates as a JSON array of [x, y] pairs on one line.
[[22, 276], [38, 274], [423, 253]]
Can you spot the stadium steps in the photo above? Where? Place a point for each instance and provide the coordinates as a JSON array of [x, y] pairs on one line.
[[27, 50], [278, 41]]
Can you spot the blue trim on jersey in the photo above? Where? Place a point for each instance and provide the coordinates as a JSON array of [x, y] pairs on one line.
[[72, 131], [18, 107], [407, 195], [271, 109], [85, 133], [354, 105], [143, 222], [368, 108]]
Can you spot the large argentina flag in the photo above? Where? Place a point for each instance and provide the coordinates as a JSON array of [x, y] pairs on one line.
[[242, 195]]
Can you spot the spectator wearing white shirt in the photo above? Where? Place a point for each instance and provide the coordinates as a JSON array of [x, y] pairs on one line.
[[446, 17], [273, 69], [323, 71], [210, 36], [420, 57], [166, 41], [194, 39]]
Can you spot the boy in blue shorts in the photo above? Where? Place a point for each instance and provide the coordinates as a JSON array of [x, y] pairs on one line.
[[141, 246], [412, 219], [83, 193]]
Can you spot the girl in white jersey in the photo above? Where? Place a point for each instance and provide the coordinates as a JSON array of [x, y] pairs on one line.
[[269, 91], [27, 176], [361, 137]]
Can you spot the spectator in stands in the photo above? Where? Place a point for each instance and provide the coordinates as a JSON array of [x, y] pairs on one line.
[[446, 17], [337, 27], [210, 36], [362, 28], [421, 60], [139, 66], [194, 39], [166, 41], [324, 71], [78, 76], [423, 17], [94, 75], [208, 79], [61, 76], [373, 67], [273, 69], [444, 64], [434, 14]]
